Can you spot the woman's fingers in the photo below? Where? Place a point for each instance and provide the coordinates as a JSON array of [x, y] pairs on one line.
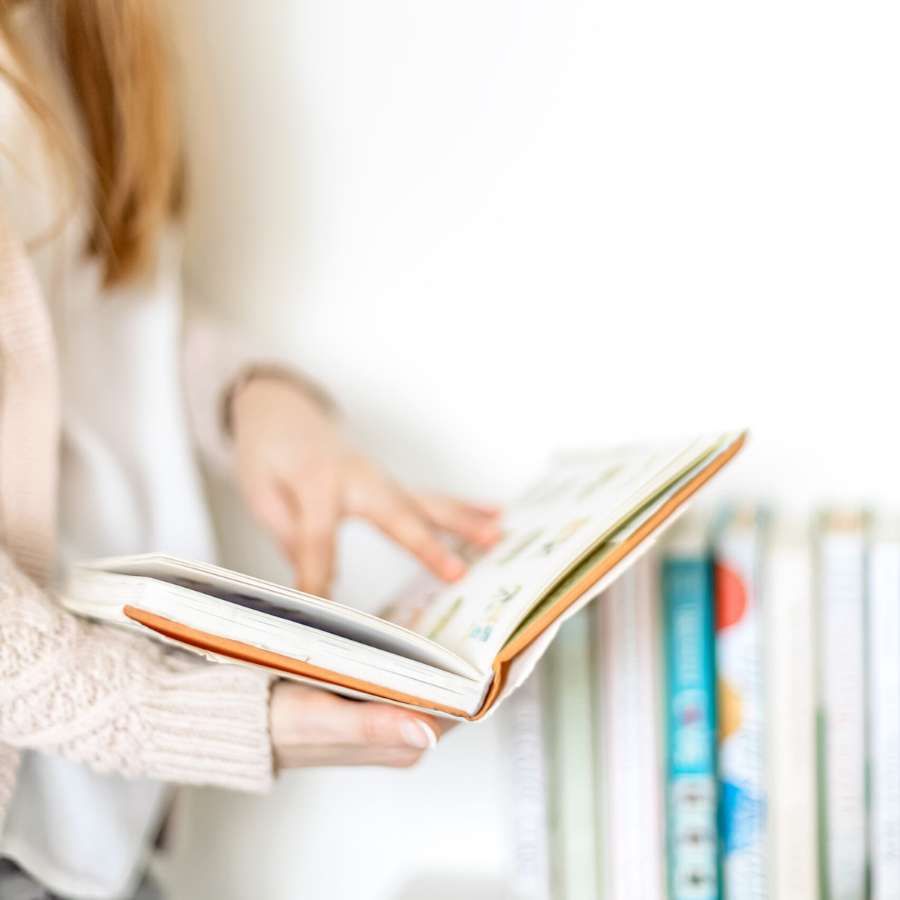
[[304, 517], [477, 524], [304, 512], [380, 725], [274, 507], [317, 498], [399, 518], [309, 755], [311, 727]]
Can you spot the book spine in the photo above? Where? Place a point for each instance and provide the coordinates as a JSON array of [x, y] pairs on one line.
[[528, 796], [691, 748], [843, 684], [570, 706], [603, 821], [884, 694], [634, 757], [791, 712], [653, 775], [741, 723]]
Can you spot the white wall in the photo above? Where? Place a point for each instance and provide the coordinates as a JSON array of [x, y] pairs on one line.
[[495, 227]]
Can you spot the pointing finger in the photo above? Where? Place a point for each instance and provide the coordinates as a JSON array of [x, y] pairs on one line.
[[469, 522], [319, 514], [401, 520]]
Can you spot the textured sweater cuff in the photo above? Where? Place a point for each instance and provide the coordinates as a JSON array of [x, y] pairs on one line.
[[210, 727]]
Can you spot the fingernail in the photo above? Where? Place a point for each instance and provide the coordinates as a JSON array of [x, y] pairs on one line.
[[417, 734]]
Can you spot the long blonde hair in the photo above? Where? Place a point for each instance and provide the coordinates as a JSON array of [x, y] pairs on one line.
[[118, 59]]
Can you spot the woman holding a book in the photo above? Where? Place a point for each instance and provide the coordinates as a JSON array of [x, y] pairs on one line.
[[104, 393]]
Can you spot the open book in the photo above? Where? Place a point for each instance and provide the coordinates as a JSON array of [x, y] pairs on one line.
[[453, 649]]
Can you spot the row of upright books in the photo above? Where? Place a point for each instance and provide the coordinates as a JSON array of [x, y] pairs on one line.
[[722, 722]]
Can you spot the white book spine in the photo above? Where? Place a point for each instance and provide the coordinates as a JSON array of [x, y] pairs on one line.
[[843, 682], [604, 821], [631, 699], [653, 780], [791, 715], [884, 694], [527, 777], [573, 815]]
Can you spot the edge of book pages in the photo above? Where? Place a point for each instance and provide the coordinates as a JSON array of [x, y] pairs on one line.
[[226, 650]]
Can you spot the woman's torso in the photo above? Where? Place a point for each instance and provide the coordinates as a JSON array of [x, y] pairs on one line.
[[129, 483]]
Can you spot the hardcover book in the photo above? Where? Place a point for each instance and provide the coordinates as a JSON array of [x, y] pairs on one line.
[[690, 701], [452, 649], [884, 709], [573, 815], [791, 736], [842, 657], [633, 760], [741, 723]]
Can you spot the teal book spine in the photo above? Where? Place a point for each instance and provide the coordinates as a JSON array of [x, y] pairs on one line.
[[691, 789]]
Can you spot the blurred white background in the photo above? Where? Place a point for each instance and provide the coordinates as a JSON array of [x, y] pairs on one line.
[[493, 228]]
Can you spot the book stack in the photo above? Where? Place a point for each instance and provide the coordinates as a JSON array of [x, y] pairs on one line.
[[724, 722]]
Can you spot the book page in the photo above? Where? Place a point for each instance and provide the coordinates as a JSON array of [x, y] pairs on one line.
[[547, 532], [81, 595]]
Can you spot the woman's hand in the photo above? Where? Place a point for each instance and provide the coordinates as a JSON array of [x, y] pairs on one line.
[[301, 475], [314, 728]]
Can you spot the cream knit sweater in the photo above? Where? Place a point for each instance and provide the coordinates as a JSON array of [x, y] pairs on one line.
[[95, 695]]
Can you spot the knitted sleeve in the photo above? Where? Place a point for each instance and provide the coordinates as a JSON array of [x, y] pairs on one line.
[[121, 703]]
